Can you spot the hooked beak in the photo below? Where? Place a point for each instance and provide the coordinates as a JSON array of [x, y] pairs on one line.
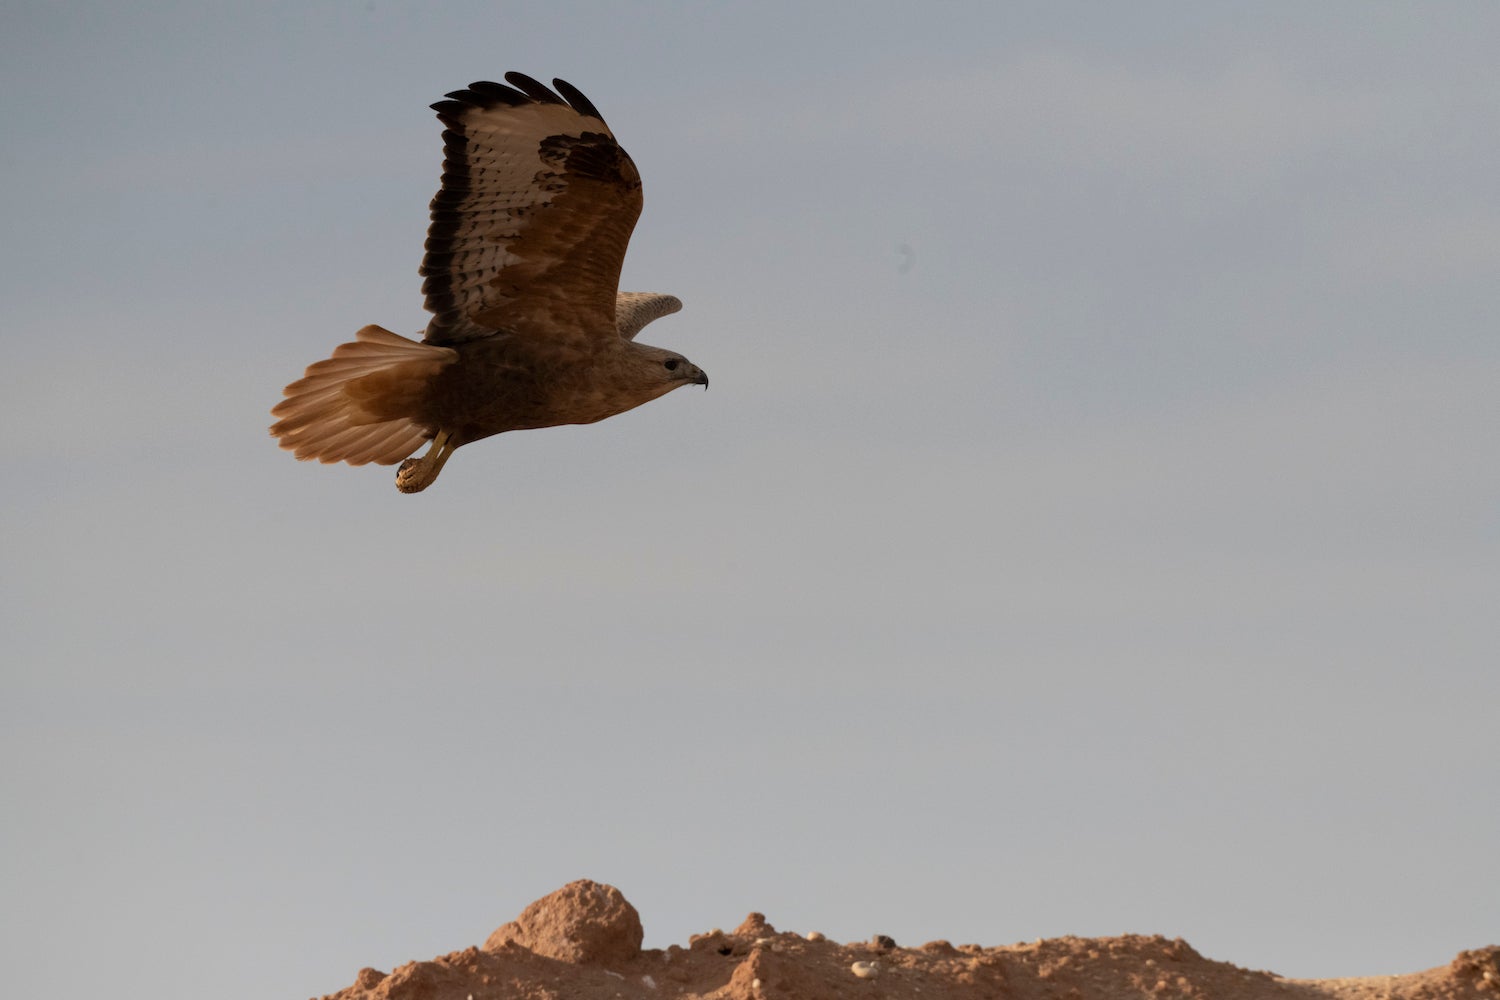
[[700, 377]]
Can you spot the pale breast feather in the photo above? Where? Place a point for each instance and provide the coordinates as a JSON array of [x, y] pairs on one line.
[[535, 210]]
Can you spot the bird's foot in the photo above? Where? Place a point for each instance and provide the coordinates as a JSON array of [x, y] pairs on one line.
[[413, 476], [416, 474]]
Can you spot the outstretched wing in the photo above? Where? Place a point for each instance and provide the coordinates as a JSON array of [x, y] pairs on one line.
[[634, 310], [530, 226]]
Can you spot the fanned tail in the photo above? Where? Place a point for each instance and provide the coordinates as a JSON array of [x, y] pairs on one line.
[[360, 404]]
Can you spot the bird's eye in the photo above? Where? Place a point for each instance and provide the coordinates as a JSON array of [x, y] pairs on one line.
[[671, 364]]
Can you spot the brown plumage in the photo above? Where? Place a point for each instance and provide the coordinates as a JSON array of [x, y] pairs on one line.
[[529, 329]]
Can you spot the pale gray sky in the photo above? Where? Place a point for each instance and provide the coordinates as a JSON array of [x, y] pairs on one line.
[[1093, 526]]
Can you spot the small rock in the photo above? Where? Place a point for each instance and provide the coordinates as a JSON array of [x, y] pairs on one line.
[[582, 922], [716, 942], [882, 942], [368, 979], [865, 970], [754, 926], [816, 936]]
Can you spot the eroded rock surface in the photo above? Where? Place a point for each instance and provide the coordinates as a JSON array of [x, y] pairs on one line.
[[584, 922], [583, 942]]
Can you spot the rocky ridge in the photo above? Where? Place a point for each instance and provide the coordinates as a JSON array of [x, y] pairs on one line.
[[583, 942]]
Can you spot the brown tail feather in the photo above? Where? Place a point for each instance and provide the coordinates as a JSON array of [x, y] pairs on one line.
[[359, 405]]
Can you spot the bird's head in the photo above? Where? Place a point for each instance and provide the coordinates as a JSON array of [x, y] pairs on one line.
[[659, 371]]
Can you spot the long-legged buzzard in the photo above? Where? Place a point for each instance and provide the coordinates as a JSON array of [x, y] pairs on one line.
[[528, 234]]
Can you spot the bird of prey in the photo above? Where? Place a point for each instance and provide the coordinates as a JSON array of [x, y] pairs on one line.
[[528, 234]]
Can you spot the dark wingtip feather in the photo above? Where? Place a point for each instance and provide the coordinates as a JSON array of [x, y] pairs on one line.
[[531, 88], [575, 97], [480, 94], [497, 93], [523, 90]]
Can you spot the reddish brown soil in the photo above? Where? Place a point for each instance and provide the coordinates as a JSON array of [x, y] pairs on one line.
[[583, 942]]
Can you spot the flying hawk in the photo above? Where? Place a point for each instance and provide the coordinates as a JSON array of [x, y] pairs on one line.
[[523, 260]]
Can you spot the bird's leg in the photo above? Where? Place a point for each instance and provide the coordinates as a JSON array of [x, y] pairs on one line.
[[416, 474]]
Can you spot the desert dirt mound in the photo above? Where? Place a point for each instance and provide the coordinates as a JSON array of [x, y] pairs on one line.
[[583, 942]]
